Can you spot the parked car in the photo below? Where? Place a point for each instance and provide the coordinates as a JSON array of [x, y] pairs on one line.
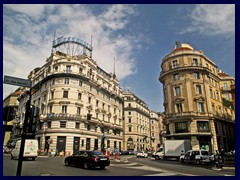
[[195, 156], [131, 152], [123, 152], [88, 159], [142, 154]]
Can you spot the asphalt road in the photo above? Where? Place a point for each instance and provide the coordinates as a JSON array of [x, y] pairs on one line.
[[54, 166]]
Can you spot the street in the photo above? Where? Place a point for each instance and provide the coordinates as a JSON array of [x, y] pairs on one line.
[[54, 166]]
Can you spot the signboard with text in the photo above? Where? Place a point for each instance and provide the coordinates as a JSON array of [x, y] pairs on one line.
[[17, 81]]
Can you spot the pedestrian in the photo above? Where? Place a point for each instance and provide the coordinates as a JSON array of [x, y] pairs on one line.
[[115, 153], [56, 152], [108, 152], [49, 152]]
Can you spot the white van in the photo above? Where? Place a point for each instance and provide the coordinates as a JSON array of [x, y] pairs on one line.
[[30, 149]]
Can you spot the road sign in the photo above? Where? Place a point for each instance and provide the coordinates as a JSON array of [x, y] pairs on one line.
[[17, 81]]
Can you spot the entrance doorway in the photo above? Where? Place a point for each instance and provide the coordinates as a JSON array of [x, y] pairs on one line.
[[61, 143]]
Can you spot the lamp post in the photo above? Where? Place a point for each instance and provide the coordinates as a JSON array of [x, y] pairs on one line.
[[103, 142]]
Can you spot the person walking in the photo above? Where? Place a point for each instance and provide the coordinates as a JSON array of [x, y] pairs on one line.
[[115, 153]]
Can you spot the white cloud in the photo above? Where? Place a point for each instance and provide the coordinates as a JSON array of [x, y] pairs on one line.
[[28, 32], [212, 19]]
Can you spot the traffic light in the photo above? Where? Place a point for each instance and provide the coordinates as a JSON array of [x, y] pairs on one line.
[[89, 116], [33, 119], [9, 113]]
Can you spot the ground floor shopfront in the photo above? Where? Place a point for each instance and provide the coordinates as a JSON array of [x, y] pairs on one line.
[[69, 143]]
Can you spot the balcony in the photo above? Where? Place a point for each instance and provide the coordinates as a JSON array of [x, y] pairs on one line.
[[65, 116]]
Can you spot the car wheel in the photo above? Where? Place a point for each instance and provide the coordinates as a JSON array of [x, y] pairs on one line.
[[102, 167], [157, 157], [12, 156], [182, 160], [85, 165], [67, 162], [33, 159]]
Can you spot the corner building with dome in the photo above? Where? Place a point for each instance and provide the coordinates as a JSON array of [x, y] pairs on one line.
[[195, 100]]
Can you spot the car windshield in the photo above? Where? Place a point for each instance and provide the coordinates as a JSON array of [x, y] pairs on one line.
[[205, 153], [95, 153]]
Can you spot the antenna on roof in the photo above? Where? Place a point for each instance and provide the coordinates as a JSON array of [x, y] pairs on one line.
[[53, 39], [91, 45], [114, 75]]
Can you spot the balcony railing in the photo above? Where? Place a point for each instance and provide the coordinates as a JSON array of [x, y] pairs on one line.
[[63, 116]]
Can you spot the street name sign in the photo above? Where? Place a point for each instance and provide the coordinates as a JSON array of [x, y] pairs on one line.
[[17, 81]]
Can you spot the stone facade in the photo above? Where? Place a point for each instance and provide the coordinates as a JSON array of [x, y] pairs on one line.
[[80, 105], [192, 99], [136, 123]]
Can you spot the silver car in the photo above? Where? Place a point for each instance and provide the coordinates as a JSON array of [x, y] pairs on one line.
[[142, 154], [196, 156]]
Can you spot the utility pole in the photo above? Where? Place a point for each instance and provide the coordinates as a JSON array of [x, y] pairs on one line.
[[25, 125], [23, 83]]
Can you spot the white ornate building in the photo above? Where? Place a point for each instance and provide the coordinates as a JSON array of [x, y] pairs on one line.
[[69, 87]]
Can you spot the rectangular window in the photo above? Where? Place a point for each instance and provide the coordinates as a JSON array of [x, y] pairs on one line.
[[49, 124], [66, 81], [63, 124], [97, 102], [77, 125], [181, 127], [65, 94], [179, 108], [80, 83], [176, 77], [79, 96], [200, 107], [129, 129], [129, 113], [203, 125], [198, 89], [64, 109], [78, 110], [129, 120], [89, 100], [195, 62], [68, 69], [196, 75], [177, 91], [175, 64]]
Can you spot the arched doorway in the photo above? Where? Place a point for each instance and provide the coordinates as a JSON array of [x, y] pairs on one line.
[[130, 145]]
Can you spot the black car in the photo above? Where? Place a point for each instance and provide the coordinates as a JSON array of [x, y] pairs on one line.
[[88, 159]]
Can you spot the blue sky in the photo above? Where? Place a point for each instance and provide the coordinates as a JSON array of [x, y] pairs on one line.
[[137, 36]]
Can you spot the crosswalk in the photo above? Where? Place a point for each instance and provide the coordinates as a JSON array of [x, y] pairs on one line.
[[157, 171]]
